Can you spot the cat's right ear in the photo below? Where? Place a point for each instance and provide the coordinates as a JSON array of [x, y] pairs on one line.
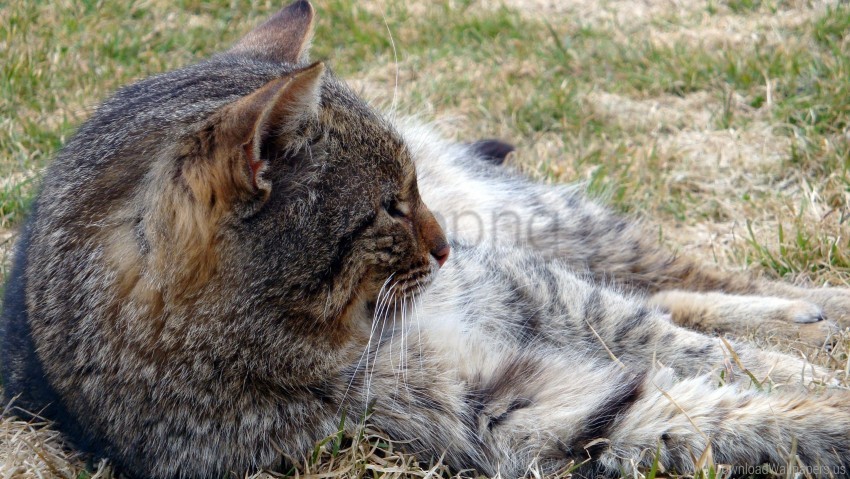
[[285, 37]]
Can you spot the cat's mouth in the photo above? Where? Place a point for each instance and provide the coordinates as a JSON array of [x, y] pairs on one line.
[[402, 287], [412, 282]]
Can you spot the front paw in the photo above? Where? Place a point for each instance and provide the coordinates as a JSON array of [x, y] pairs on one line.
[[796, 328], [803, 312], [766, 316], [793, 319], [833, 302]]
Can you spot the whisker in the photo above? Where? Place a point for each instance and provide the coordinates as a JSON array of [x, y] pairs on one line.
[[418, 323], [392, 341], [382, 294], [395, 310], [395, 59], [378, 347], [403, 351]]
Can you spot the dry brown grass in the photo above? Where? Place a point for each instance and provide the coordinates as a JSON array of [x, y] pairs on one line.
[[716, 161]]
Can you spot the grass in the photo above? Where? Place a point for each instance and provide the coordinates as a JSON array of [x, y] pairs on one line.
[[726, 125]]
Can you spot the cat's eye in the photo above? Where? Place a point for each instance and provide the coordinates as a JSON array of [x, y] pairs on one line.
[[397, 209]]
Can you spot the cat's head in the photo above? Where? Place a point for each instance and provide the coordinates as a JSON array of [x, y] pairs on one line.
[[260, 182]]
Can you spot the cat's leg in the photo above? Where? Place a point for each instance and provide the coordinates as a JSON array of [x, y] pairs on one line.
[[508, 411], [682, 422], [634, 334], [835, 302], [741, 315], [520, 297]]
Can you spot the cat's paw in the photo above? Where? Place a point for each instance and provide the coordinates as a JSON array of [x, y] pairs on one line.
[[798, 311], [808, 323], [792, 319], [798, 329], [833, 302]]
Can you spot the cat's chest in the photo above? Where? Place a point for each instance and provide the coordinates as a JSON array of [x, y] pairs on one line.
[[455, 326]]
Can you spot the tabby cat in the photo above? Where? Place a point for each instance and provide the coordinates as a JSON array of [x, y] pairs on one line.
[[227, 259]]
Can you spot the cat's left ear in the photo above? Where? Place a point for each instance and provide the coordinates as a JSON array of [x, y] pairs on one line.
[[285, 37], [267, 119]]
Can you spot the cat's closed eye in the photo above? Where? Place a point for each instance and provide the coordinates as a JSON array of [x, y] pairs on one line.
[[397, 209]]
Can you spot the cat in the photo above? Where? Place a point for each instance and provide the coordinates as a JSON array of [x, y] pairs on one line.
[[228, 259]]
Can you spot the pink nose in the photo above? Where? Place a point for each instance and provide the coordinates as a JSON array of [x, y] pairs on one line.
[[441, 253]]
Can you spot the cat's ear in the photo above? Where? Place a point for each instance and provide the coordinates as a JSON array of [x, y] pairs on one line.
[[494, 151], [264, 119], [285, 37]]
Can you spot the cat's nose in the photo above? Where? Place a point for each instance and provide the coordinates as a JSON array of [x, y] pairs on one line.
[[431, 235], [441, 253]]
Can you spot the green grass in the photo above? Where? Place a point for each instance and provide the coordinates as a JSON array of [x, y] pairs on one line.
[[61, 69]]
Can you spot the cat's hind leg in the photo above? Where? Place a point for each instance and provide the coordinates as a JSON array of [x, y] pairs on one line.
[[681, 422], [517, 411]]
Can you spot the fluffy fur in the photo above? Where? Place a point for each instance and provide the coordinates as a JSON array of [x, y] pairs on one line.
[[227, 258]]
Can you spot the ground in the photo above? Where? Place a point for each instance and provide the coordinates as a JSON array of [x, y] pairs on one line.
[[723, 125]]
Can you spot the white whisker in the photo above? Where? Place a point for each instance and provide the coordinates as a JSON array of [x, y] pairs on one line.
[[382, 294], [395, 57], [419, 291], [383, 321], [403, 349], [392, 342]]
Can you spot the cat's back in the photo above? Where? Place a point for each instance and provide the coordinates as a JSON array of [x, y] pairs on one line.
[[108, 158], [22, 373], [84, 220], [25, 386]]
